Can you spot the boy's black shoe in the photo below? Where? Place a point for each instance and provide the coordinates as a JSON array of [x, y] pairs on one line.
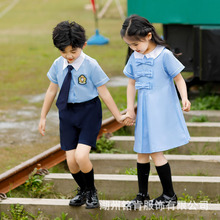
[[163, 201], [79, 199], [92, 200], [140, 200]]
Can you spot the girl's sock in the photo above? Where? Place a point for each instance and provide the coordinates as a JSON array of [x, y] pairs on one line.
[[143, 170], [89, 179], [80, 180], [164, 173]]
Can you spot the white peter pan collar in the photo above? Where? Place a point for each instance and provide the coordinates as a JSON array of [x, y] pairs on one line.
[[77, 63], [153, 54]]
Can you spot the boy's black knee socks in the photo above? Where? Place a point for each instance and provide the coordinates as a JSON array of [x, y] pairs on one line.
[[89, 178], [143, 170], [164, 173], [80, 179]]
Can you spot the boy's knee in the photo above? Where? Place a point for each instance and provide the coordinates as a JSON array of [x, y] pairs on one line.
[[74, 169], [81, 158]]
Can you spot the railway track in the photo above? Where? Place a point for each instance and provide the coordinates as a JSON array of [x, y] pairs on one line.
[[49, 158], [193, 175]]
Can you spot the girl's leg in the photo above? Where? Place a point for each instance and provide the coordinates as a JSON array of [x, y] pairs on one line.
[[164, 172], [143, 170], [85, 165], [168, 198]]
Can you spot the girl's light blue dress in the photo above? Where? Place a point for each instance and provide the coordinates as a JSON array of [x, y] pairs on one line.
[[160, 124]]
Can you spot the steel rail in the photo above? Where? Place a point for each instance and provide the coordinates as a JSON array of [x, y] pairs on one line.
[[49, 158]]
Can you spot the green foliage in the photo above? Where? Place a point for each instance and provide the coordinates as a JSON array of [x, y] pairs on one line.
[[131, 171], [105, 145], [17, 212], [206, 150], [199, 197], [96, 216], [35, 187], [186, 198], [153, 217], [141, 218], [121, 217], [63, 217], [201, 118], [60, 168], [206, 103], [201, 173], [124, 131]]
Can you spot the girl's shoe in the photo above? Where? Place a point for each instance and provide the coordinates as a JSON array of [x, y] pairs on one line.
[[163, 201], [140, 200], [79, 199], [92, 200]]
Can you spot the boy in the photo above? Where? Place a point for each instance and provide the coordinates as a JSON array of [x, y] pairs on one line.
[[79, 107]]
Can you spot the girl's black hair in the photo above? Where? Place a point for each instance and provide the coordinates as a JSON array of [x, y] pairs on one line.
[[136, 27], [68, 34]]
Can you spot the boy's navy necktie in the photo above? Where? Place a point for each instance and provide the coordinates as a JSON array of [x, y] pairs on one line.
[[64, 91]]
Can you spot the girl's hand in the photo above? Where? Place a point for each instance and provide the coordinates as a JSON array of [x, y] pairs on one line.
[[122, 118], [130, 119], [131, 114], [186, 105], [41, 126]]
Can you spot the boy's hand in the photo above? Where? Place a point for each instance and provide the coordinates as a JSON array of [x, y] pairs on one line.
[[126, 118], [41, 126], [121, 118], [186, 105], [129, 121]]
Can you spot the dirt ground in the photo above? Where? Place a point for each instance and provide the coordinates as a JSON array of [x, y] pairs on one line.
[[19, 136], [20, 127]]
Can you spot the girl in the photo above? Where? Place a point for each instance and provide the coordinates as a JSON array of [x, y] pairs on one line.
[[160, 124]]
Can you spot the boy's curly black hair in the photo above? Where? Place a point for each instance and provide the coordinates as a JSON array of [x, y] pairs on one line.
[[68, 34]]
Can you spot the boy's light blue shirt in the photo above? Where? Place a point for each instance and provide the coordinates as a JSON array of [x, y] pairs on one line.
[[87, 75]]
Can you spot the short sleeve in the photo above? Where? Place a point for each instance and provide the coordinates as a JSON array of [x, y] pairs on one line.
[[98, 76], [52, 73], [172, 65], [128, 70]]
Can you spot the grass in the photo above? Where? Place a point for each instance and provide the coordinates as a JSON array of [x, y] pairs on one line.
[[25, 41], [13, 155], [27, 52], [201, 118], [210, 102]]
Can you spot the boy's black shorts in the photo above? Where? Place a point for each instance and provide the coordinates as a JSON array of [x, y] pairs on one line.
[[80, 123]]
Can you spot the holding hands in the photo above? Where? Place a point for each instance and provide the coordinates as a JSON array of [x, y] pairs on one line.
[[128, 119]]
